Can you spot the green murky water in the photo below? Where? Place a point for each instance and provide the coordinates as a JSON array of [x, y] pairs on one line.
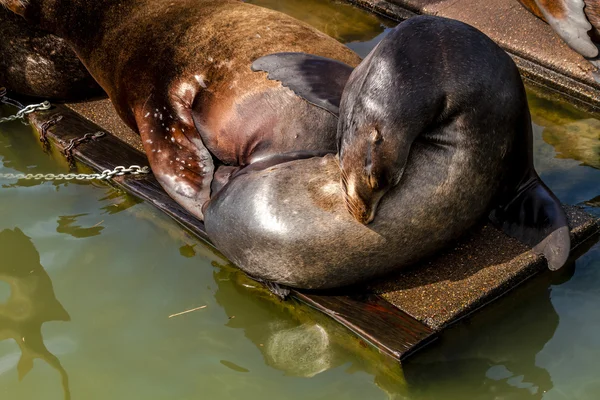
[[91, 281]]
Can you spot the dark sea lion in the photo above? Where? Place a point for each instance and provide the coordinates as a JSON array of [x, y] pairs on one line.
[[433, 140], [36, 63], [577, 22], [179, 73]]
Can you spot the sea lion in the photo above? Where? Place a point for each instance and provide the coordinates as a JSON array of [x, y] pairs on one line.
[[434, 140], [38, 64], [179, 74], [577, 22]]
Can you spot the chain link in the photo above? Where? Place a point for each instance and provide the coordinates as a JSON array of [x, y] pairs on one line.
[[105, 175], [27, 110]]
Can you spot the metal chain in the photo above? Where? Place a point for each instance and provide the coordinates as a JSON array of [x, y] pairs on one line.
[[68, 151], [105, 175], [27, 110], [56, 118]]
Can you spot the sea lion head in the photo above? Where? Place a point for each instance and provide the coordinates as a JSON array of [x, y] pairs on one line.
[[369, 144]]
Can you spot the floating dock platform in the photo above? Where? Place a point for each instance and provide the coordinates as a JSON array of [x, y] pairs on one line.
[[399, 314]]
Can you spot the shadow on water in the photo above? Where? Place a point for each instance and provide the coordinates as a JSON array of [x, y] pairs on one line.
[[31, 303]]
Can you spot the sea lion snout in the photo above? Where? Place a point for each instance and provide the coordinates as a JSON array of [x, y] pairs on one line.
[[361, 195], [368, 165]]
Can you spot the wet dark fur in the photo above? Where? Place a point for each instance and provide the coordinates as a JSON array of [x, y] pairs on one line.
[[179, 73], [35, 63], [454, 143]]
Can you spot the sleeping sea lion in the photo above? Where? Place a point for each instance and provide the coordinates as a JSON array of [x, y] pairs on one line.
[[38, 64], [179, 74], [431, 142]]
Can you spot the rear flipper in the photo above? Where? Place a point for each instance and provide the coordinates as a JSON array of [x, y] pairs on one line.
[[535, 217], [178, 158], [568, 19]]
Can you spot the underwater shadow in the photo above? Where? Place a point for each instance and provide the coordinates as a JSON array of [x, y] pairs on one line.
[[32, 302]]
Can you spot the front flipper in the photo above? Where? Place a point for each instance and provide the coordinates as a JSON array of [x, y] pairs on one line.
[[568, 19], [535, 217], [178, 158], [318, 80]]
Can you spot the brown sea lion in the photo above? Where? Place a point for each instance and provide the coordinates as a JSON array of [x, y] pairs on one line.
[[429, 146], [36, 63], [179, 73], [577, 22]]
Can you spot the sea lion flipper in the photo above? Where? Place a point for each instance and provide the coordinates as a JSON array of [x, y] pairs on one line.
[[568, 19], [179, 160], [318, 80], [535, 217]]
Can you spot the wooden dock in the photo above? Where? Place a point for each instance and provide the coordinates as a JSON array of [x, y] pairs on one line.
[[399, 314]]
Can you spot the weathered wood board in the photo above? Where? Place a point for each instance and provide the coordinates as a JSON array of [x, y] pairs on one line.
[[399, 314]]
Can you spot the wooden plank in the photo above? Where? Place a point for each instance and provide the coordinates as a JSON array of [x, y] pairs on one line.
[[378, 322], [389, 329]]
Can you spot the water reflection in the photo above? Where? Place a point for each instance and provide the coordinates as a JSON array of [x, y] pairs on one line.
[[16, 151], [31, 303], [66, 224], [573, 134], [493, 353], [119, 200], [595, 202], [339, 20], [21, 152], [296, 339]]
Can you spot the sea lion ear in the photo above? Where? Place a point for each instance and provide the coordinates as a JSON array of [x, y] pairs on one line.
[[318, 80], [535, 217]]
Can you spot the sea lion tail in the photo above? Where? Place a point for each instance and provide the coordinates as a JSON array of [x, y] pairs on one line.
[[535, 217]]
